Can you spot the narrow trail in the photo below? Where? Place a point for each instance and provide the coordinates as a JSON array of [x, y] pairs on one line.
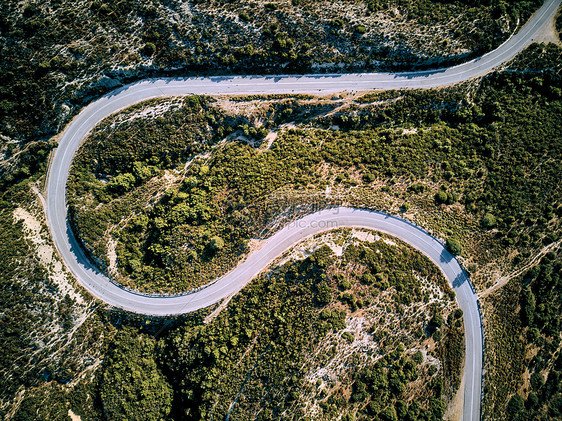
[[534, 261]]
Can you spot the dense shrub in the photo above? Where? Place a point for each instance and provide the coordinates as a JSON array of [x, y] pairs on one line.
[[454, 245]]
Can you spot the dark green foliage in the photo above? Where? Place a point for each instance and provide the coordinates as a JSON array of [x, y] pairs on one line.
[[335, 319], [360, 29], [489, 221], [324, 295], [31, 161], [454, 245], [437, 408], [539, 57], [436, 320], [278, 316], [463, 152], [417, 188], [541, 303], [533, 321], [262, 342], [369, 177], [111, 152], [33, 408], [493, 179], [389, 414], [132, 386], [430, 10], [216, 243], [516, 408], [48, 46], [121, 183], [150, 237], [515, 183], [528, 307], [380, 387], [344, 285], [441, 197], [322, 257], [18, 317], [450, 352], [149, 49], [43, 345]]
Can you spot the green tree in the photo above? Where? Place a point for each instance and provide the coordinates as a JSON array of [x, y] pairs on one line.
[[454, 245], [121, 183], [515, 408], [149, 49], [489, 221], [323, 256], [216, 243], [441, 197], [142, 172], [369, 177], [132, 387], [528, 307], [437, 407], [360, 29], [389, 414], [324, 294], [436, 320]]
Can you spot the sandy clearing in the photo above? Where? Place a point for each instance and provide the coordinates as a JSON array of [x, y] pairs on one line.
[[73, 416], [46, 253]]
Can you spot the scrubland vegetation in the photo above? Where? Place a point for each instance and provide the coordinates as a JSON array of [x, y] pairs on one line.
[[56, 56], [50, 335], [471, 163], [475, 164], [474, 157], [525, 364], [308, 339], [256, 364], [257, 358]]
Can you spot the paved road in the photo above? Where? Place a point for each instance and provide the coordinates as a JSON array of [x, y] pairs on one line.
[[101, 287]]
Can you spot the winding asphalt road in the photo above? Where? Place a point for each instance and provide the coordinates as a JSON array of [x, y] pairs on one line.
[[102, 287]]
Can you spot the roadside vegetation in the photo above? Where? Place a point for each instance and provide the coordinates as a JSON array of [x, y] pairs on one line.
[[263, 355], [57, 55], [50, 334], [477, 165], [181, 212], [323, 349], [526, 319], [474, 164]]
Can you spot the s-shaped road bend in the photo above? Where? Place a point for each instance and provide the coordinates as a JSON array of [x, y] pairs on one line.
[[103, 288]]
